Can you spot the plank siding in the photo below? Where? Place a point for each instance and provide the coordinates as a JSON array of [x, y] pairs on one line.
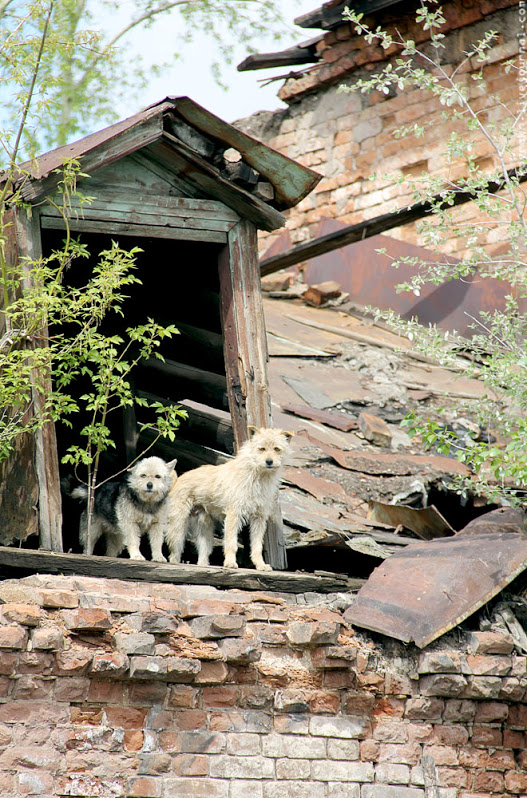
[[111, 227], [46, 455]]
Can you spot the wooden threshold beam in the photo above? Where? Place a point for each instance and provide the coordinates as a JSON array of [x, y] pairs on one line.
[[372, 227], [30, 561]]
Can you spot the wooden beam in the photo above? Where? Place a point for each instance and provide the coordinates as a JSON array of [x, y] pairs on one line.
[[372, 227], [14, 561], [246, 353], [141, 230], [46, 455], [183, 382]]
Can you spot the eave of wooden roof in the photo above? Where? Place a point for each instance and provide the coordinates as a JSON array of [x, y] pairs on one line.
[[290, 180]]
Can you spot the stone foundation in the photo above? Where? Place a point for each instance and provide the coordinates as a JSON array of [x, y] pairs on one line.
[[113, 688]]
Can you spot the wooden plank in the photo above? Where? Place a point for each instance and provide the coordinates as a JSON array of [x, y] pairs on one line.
[[46, 455], [183, 382], [205, 425], [176, 156], [309, 392], [135, 213], [148, 231], [252, 357], [172, 206], [136, 137], [14, 561], [188, 453]]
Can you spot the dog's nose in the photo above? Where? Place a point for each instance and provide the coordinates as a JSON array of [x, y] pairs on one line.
[[149, 485], [269, 462]]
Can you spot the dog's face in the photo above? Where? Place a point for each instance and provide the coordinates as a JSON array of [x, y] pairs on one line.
[[151, 478], [267, 447]]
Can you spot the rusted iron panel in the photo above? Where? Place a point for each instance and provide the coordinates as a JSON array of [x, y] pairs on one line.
[[337, 420], [428, 522], [320, 488], [427, 589], [382, 463], [505, 519], [370, 279]]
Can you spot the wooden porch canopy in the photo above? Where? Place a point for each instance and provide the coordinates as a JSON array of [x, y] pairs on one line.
[[162, 176]]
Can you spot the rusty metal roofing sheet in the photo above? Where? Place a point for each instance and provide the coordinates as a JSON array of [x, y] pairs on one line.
[[427, 522], [426, 589]]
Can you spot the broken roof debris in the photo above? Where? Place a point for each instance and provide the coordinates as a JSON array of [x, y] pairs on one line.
[[359, 484]]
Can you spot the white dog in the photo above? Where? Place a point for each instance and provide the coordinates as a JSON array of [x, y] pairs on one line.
[[242, 491], [123, 511]]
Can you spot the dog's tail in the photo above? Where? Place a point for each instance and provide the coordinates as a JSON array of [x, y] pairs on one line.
[[80, 492]]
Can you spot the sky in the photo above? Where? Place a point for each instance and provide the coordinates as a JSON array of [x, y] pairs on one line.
[[190, 75]]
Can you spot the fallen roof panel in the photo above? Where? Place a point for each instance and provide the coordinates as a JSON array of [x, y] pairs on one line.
[[427, 589]]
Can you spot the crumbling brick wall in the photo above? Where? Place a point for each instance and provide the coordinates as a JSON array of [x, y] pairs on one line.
[[112, 688], [350, 138]]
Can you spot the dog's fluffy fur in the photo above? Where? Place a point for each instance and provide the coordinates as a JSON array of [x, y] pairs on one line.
[[242, 491], [123, 511]]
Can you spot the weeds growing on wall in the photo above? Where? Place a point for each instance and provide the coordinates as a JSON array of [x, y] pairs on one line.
[[493, 248]]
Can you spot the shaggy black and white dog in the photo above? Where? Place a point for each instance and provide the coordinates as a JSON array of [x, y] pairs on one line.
[[123, 511]]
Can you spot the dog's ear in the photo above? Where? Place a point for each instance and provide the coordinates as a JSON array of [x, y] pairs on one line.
[[288, 434], [171, 466], [252, 431]]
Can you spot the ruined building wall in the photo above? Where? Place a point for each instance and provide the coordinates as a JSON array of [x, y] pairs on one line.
[[111, 689], [350, 137]]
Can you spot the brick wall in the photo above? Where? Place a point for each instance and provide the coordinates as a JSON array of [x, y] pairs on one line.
[[112, 688], [350, 137]]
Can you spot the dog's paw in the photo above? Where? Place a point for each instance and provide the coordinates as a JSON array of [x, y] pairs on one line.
[[159, 558], [174, 559], [137, 556], [263, 567], [230, 564]]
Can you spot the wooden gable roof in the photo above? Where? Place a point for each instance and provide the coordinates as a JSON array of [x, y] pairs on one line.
[[188, 140]]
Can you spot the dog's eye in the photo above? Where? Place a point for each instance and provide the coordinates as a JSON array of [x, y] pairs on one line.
[[261, 448], [158, 476], [143, 476], [277, 449]]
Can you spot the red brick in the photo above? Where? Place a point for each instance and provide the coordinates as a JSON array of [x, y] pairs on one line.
[[359, 704], [487, 736], [8, 662], [484, 665], [71, 689], [491, 781], [31, 688], [34, 783], [490, 643], [147, 693], [24, 614], [452, 777], [404, 754], [4, 686], [389, 707], [86, 716], [514, 739], [450, 735], [153, 764], [73, 662], [106, 692], [424, 708], [220, 696], [256, 696], [491, 712], [88, 620], [212, 673], [13, 637], [67, 599], [516, 782], [190, 765], [125, 717], [442, 754], [518, 716], [482, 760], [369, 750], [183, 696], [145, 787], [133, 740], [324, 702]]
